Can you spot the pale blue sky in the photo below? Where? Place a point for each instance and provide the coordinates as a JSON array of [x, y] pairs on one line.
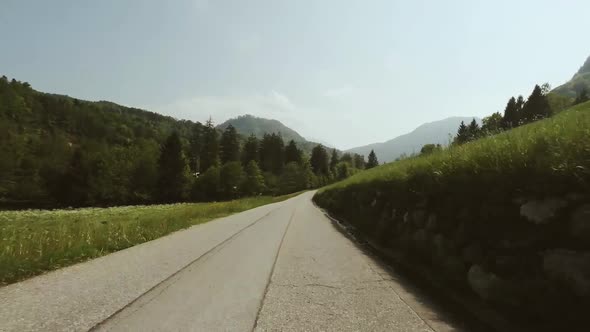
[[344, 72]]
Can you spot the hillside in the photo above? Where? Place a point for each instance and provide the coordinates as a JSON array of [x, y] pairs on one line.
[[118, 148], [436, 132], [580, 80], [502, 220], [249, 124]]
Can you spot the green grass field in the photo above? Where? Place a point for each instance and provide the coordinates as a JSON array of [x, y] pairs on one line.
[[35, 241], [554, 152]]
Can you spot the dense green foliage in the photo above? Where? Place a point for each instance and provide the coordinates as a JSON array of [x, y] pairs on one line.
[[36, 241], [59, 151]]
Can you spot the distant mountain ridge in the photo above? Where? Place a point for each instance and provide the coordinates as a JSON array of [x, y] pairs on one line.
[[580, 80], [437, 132], [249, 124]]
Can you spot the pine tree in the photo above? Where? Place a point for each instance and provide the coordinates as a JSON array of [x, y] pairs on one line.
[[462, 134], [536, 107], [250, 151], [172, 171], [372, 160], [195, 147], [473, 130], [319, 160], [510, 118], [210, 153], [272, 153], [292, 153], [230, 146], [334, 160]]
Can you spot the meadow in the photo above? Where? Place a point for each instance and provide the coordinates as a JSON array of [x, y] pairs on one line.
[[35, 241]]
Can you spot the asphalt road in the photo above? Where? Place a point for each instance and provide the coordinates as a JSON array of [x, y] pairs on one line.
[[280, 267]]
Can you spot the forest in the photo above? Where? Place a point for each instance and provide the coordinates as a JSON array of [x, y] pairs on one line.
[[58, 151]]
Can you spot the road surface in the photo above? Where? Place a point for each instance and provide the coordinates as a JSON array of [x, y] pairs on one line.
[[280, 267]]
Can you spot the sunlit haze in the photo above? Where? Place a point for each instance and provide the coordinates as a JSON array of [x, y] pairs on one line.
[[346, 73]]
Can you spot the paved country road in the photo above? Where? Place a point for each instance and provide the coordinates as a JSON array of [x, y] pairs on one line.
[[280, 267]]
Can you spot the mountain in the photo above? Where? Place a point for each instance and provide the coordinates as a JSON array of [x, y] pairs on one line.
[[249, 124], [438, 132], [580, 80]]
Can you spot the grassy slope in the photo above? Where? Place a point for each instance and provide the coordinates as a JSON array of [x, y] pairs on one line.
[[557, 149], [35, 241]]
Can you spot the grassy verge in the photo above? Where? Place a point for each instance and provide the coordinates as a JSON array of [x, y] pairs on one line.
[[555, 150], [35, 241], [458, 215]]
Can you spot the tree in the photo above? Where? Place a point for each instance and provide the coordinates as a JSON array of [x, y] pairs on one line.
[[319, 160], [253, 182], [372, 160], [493, 124], [272, 153], [342, 171], [334, 160], [230, 178], [536, 107], [172, 171], [210, 154], [207, 186], [250, 151], [511, 117], [347, 158], [473, 130], [430, 148], [291, 179], [462, 134], [292, 153], [75, 181], [582, 96], [358, 161], [195, 147], [230, 146]]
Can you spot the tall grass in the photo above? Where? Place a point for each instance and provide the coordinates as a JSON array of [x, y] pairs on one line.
[[34, 241], [548, 153]]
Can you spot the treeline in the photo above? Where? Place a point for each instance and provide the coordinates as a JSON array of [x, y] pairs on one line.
[[59, 151], [539, 105]]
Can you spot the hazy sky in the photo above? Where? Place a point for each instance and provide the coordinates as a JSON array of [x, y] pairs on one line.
[[343, 72]]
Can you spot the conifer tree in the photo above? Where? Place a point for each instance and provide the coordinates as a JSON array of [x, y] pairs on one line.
[[462, 134], [210, 154], [372, 160], [473, 130], [536, 107], [172, 171], [250, 151], [510, 118], [230, 146], [334, 160], [292, 153], [319, 160]]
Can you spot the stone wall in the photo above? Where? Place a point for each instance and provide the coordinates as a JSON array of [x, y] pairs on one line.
[[527, 257]]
